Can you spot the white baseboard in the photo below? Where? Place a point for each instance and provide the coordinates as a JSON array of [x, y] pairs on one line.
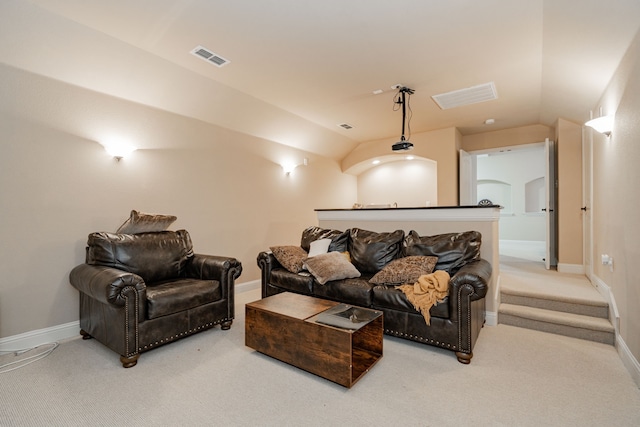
[[41, 336], [248, 286], [628, 359], [69, 330], [629, 362], [571, 268], [491, 318]]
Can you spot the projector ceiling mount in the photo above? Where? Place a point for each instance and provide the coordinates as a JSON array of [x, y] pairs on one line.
[[402, 99]]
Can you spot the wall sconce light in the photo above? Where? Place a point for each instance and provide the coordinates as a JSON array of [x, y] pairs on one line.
[[603, 124], [118, 151], [289, 167]]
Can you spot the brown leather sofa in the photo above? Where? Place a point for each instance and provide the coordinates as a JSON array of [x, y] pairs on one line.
[[454, 324], [140, 291]]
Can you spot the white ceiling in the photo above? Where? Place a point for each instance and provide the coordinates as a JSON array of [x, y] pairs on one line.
[[322, 60]]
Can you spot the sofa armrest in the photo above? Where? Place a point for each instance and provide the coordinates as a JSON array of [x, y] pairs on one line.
[[476, 274], [267, 262], [212, 267]]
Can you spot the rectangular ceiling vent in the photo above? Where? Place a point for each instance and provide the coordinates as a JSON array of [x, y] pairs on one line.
[[470, 95], [206, 55], [345, 126]]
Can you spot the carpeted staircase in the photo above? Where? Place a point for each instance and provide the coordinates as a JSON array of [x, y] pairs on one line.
[[580, 318]]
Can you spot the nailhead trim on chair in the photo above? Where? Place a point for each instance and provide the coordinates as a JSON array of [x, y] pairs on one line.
[[181, 334], [420, 339]]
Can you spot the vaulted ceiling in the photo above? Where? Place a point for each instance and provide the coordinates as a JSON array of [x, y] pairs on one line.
[[319, 62]]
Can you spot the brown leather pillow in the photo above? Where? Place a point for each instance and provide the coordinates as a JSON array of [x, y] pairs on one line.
[[452, 249], [371, 251], [338, 238]]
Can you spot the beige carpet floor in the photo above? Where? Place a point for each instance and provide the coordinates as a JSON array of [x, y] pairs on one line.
[[518, 377]]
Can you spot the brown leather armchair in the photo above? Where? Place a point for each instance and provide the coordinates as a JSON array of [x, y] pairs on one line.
[[140, 291]]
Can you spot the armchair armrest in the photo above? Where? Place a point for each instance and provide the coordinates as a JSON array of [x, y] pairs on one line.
[[212, 267], [106, 284], [110, 285]]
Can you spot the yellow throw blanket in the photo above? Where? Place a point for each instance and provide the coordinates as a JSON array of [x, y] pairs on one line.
[[429, 290]]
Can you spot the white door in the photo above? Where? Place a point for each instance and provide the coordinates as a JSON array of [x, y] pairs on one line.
[[467, 179]]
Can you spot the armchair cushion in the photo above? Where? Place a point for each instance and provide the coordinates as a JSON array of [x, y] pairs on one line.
[[174, 296], [129, 252]]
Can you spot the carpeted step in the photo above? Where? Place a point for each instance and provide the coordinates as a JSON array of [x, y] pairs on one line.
[[585, 307], [561, 323]]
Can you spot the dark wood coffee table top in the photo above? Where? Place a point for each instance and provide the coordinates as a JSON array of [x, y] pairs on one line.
[[293, 305]]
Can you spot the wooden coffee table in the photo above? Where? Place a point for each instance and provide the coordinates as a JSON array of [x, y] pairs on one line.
[[336, 341]]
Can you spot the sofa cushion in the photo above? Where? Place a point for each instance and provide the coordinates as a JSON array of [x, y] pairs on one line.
[[139, 222], [392, 298], [179, 295], [371, 251], [301, 283], [356, 291], [404, 270], [153, 256], [452, 249], [290, 257], [330, 266], [339, 239]]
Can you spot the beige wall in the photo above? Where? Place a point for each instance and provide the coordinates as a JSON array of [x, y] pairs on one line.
[[569, 150], [616, 201], [407, 183], [440, 146], [57, 185], [508, 137]]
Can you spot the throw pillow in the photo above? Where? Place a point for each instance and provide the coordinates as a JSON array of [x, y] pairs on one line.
[[371, 251], [404, 270], [452, 249], [331, 266], [290, 257], [139, 222], [319, 247], [338, 238]]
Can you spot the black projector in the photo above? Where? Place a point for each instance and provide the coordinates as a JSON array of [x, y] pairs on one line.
[[402, 146]]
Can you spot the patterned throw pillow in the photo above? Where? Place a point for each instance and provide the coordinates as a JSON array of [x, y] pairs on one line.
[[331, 266], [290, 257], [404, 270]]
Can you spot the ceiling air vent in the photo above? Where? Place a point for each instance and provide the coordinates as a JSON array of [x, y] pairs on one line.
[[345, 126], [470, 95], [206, 55]]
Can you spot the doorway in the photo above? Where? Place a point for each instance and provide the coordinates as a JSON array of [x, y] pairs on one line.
[[522, 180]]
